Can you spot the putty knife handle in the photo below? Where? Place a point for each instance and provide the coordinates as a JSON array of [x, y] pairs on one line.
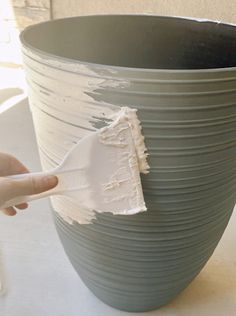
[[27, 198]]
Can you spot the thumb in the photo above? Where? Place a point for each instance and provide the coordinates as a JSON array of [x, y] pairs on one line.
[[28, 185]]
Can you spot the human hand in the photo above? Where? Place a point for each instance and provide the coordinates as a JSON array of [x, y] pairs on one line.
[[11, 188]]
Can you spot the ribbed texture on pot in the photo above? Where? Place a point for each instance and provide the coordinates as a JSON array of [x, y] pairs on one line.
[[140, 262]]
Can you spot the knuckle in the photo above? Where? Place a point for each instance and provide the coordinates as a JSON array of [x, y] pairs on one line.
[[35, 186]]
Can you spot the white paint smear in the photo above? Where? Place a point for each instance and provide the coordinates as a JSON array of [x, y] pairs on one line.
[[65, 105]]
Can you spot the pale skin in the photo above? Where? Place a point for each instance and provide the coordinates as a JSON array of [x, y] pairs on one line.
[[10, 188]]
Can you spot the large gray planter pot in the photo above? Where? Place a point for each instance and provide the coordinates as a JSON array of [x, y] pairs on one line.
[[181, 76]]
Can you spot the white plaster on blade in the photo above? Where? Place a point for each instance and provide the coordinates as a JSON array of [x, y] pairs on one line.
[[123, 186], [112, 136], [128, 115]]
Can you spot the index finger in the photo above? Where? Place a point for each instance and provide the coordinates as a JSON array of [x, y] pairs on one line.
[[10, 165]]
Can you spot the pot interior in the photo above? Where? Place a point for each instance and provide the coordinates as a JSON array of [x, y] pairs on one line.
[[137, 41]]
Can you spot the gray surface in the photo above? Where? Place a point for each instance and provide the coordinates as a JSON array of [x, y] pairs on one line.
[[39, 279], [188, 112], [141, 262]]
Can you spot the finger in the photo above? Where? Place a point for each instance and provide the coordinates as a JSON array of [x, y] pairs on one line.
[[5, 163], [33, 185], [22, 206], [10, 211], [11, 188], [11, 165], [16, 167]]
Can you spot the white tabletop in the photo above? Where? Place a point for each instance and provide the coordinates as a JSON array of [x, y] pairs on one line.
[[38, 279]]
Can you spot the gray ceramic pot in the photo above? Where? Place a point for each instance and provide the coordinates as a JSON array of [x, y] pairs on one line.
[[181, 76]]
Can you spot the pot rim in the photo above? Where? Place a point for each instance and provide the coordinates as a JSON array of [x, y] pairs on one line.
[[124, 68]]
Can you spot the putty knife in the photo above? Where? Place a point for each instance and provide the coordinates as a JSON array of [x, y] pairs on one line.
[[102, 171]]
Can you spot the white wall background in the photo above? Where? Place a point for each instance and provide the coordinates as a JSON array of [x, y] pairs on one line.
[[223, 10]]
